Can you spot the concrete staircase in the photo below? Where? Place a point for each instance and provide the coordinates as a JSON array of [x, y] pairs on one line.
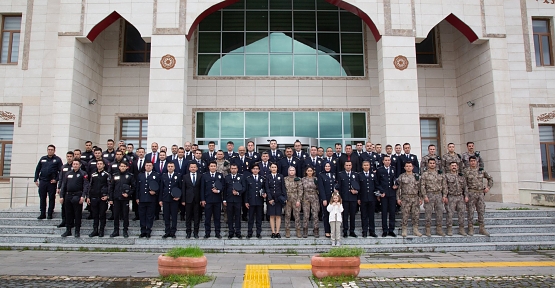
[[509, 229]]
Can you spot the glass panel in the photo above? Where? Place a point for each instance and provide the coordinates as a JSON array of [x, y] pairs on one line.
[[135, 142], [323, 5], [256, 65], [133, 39], [330, 125], [304, 21], [209, 42], [208, 64], [537, 49], [306, 124], [236, 144], [304, 5], [281, 124], [281, 43], [257, 123], [353, 65], [425, 143], [545, 168], [5, 47], [212, 22], [240, 5], [328, 21], [551, 160], [233, 21], [208, 124], [15, 47], [428, 128], [130, 128], [233, 65], [233, 42], [305, 65], [540, 26], [7, 160], [350, 22], [280, 4], [12, 23], [352, 43], [257, 21], [546, 133], [305, 43], [134, 57], [281, 65], [328, 65], [257, 4], [354, 125], [328, 42], [257, 43], [280, 21], [6, 132], [144, 131], [232, 124], [546, 46], [325, 143]]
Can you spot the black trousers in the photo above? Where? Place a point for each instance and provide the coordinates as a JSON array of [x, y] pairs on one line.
[[98, 210], [121, 206], [64, 212], [367, 216], [388, 208], [146, 215], [255, 211], [192, 214], [170, 216], [47, 189], [349, 212], [74, 212], [234, 217], [326, 219], [135, 206], [212, 209]]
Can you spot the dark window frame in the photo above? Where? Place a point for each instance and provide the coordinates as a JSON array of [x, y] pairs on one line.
[[540, 42], [2, 31], [147, 48], [3, 144], [437, 138], [550, 165], [141, 138], [434, 33]]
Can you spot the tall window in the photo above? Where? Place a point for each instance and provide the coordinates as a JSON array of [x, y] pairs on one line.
[[429, 133], [547, 146], [281, 38], [542, 42], [11, 30], [134, 130], [135, 49], [6, 138], [426, 51]]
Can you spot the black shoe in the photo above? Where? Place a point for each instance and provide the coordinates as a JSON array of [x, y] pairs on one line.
[[258, 236], [67, 233], [196, 236], [155, 218], [172, 235], [77, 233], [392, 234], [111, 217], [238, 236], [49, 217], [101, 233], [143, 235], [218, 236], [245, 219], [42, 216], [364, 234], [273, 235], [114, 234], [125, 234], [206, 236], [229, 236], [135, 218], [249, 236], [147, 235], [94, 233], [372, 234], [166, 236], [352, 234], [278, 235], [345, 235], [90, 216], [63, 224], [188, 236]]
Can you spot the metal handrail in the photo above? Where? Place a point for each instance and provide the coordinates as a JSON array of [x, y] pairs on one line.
[[12, 187]]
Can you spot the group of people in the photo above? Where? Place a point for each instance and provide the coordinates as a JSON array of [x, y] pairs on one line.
[[328, 185]]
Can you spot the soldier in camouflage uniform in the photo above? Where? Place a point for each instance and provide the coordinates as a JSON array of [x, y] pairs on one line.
[[222, 166], [457, 196], [408, 196], [433, 190], [475, 182], [311, 202], [294, 188], [471, 152], [451, 157], [431, 155]]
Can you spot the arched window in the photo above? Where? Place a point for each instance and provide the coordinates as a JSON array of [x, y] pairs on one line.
[[281, 38]]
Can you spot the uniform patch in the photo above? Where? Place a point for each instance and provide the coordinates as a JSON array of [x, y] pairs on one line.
[[116, 177], [279, 178], [69, 176], [43, 160], [105, 155], [65, 169], [153, 177]]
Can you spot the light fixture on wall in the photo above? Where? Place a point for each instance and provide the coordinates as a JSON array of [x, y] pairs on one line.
[[92, 102], [470, 103]]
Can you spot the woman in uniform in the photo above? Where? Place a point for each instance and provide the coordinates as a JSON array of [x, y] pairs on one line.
[[294, 189], [311, 202], [276, 197], [326, 187]]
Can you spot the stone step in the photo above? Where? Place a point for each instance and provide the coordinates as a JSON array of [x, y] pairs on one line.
[[158, 230], [261, 246]]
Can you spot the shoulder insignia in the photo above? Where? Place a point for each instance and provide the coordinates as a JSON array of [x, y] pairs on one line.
[[153, 177]]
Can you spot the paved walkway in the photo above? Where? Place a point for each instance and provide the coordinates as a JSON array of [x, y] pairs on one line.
[[229, 269]]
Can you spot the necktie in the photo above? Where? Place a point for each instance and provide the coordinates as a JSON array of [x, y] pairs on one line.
[[388, 170], [153, 157], [161, 166], [366, 174], [313, 162], [250, 155], [171, 176], [180, 163], [348, 175], [274, 153], [348, 157], [212, 175], [255, 178], [210, 154], [299, 154], [289, 161], [140, 164], [243, 159], [147, 174], [194, 180], [233, 178]]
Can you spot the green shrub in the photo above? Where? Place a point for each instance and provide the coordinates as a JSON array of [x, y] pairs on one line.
[[190, 251], [343, 252], [186, 280]]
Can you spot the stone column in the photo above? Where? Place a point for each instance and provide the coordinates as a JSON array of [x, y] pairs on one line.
[[399, 108], [167, 90]]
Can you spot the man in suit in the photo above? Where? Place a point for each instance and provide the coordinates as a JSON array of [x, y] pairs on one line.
[[274, 153], [173, 155], [201, 164], [147, 198], [396, 161], [349, 156], [407, 157], [338, 150], [349, 195], [210, 155], [153, 156], [169, 203], [232, 200], [188, 153], [161, 166], [313, 161], [136, 168], [386, 187], [211, 199], [367, 199], [229, 154], [181, 162], [190, 198], [299, 153], [289, 161]]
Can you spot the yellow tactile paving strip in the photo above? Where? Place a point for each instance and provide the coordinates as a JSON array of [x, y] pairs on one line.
[[258, 276]]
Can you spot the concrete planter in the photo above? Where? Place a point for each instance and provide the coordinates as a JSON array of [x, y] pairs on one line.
[[181, 265], [334, 266]]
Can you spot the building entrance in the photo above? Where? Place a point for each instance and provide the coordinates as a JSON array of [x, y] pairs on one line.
[[262, 144]]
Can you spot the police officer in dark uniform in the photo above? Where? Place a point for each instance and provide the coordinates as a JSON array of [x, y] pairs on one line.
[[242, 161], [98, 198], [65, 168], [347, 183], [274, 153], [334, 162], [386, 186], [88, 154], [201, 164], [233, 197], [326, 187], [230, 153], [121, 191], [110, 154], [46, 176], [148, 185], [74, 191], [299, 153], [211, 199], [210, 155], [407, 157], [114, 165], [313, 161], [367, 199], [91, 166], [255, 195], [288, 161], [168, 201], [251, 154]]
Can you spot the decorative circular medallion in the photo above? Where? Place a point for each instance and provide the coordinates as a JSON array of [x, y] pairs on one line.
[[401, 62], [167, 61]]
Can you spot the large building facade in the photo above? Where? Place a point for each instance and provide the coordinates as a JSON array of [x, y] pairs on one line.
[[388, 71]]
